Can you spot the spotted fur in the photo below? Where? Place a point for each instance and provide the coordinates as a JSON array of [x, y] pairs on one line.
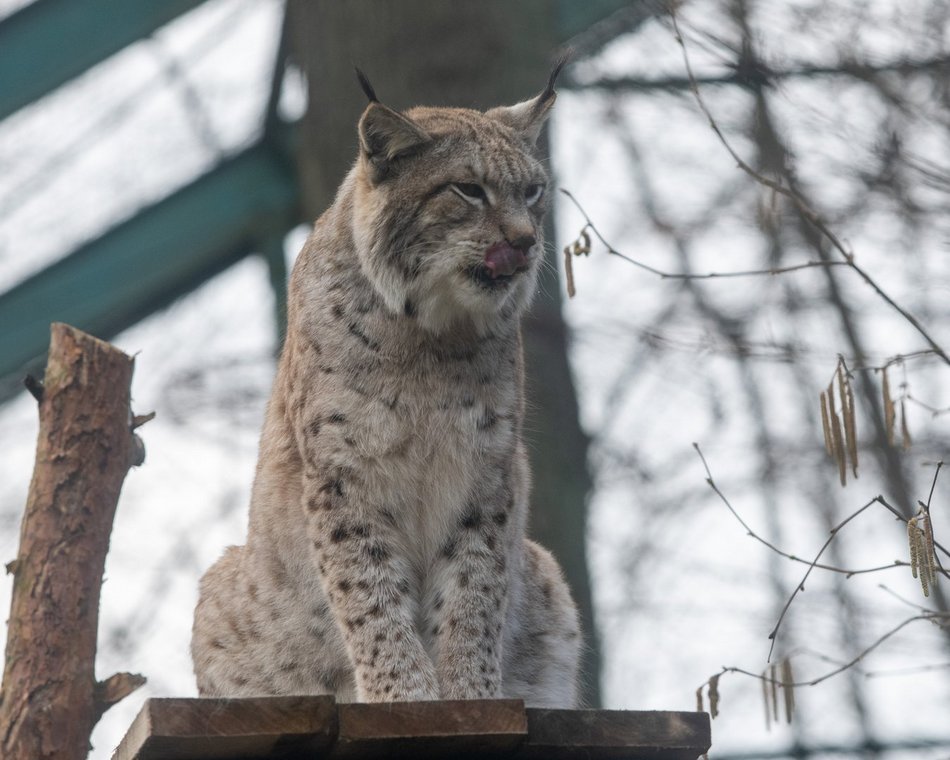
[[386, 556]]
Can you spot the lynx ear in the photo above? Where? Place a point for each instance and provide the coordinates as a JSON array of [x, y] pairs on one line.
[[528, 117], [386, 135]]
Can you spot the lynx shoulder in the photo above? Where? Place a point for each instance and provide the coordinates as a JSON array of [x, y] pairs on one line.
[[386, 556]]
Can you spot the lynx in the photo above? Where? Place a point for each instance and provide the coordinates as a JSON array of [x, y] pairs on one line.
[[386, 557]]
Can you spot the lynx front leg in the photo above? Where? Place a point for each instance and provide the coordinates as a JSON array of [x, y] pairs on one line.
[[473, 595], [369, 592]]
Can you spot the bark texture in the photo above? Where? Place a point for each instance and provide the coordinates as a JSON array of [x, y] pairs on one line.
[[50, 699]]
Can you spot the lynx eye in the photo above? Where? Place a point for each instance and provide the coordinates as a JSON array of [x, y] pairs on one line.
[[470, 191], [533, 193]]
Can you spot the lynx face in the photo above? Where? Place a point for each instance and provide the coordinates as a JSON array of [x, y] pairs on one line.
[[451, 203]]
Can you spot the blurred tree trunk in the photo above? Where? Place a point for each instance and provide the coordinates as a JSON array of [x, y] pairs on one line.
[[457, 53]]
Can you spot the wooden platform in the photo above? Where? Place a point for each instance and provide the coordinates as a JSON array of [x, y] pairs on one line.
[[317, 727]]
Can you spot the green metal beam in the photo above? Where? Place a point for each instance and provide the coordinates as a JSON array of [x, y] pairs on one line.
[[575, 17], [145, 263], [48, 42], [172, 247]]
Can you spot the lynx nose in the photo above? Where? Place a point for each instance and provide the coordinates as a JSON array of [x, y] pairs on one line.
[[523, 243], [503, 259]]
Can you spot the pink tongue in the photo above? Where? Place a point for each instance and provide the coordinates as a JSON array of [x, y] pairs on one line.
[[503, 260]]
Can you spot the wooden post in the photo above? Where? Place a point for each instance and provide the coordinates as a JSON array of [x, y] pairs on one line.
[[50, 700]]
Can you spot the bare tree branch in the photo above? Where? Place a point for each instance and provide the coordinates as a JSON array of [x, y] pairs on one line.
[[804, 209], [848, 572], [763, 75], [691, 275]]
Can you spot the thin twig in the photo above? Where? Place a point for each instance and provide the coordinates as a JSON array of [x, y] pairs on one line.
[[879, 673], [911, 671], [934, 411], [841, 668], [812, 566], [812, 218], [806, 211], [903, 600], [663, 275], [814, 563], [879, 499], [933, 485], [752, 534], [140, 419], [891, 361]]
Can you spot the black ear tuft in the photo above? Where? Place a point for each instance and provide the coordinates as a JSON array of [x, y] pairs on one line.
[[559, 64], [527, 118], [367, 87]]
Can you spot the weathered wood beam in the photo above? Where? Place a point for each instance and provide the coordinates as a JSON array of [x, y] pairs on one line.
[[50, 699], [231, 728], [308, 727]]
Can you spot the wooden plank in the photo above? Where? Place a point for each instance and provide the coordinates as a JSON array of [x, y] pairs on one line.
[[481, 728], [307, 728], [557, 734], [219, 729]]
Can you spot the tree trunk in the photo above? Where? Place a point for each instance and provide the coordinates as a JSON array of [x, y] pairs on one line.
[[476, 55], [559, 457], [50, 699]]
